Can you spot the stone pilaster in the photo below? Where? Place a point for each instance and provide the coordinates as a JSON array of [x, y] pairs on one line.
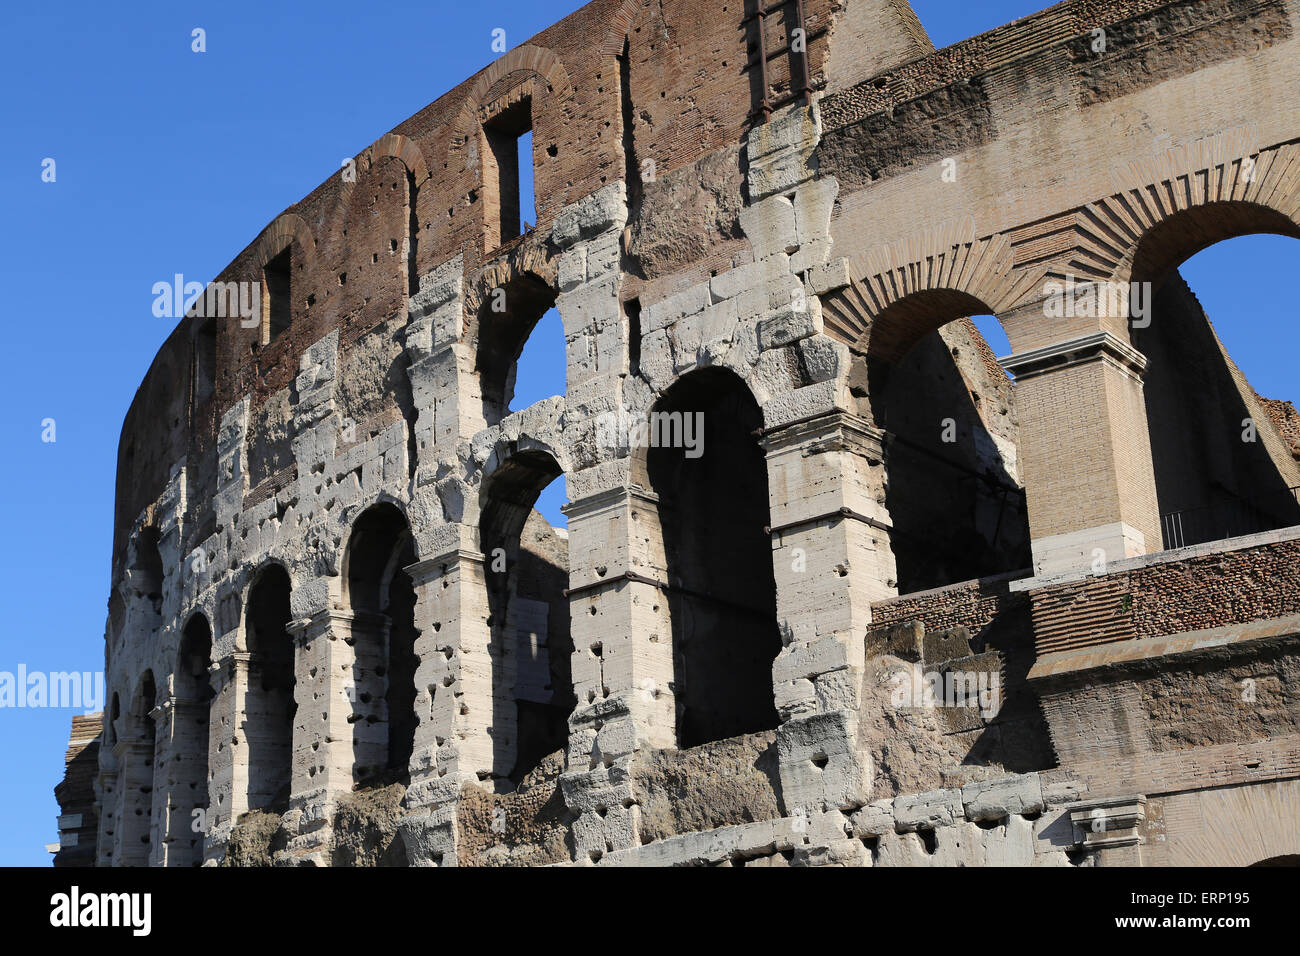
[[831, 560], [181, 785]]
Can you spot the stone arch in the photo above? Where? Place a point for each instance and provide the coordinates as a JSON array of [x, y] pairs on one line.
[[526, 575], [709, 474], [1176, 203], [922, 373], [287, 228], [408, 153], [268, 706], [390, 145], [380, 597], [900, 293], [534, 59], [501, 323]]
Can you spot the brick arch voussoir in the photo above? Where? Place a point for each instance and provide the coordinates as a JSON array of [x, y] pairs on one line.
[[1220, 169], [286, 229], [945, 259], [389, 146], [534, 59], [620, 26]]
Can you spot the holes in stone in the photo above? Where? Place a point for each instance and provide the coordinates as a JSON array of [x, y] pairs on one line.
[[992, 824], [929, 840], [343, 278], [820, 761]]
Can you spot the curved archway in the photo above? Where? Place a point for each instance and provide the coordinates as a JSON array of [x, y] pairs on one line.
[[1225, 458], [507, 318], [381, 596], [704, 463], [954, 494], [269, 705], [526, 563]]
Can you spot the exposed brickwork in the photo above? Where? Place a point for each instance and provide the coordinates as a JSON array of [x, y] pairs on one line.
[[1232, 587], [78, 821]]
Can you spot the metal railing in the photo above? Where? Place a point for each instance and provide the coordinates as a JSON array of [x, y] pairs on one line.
[[1230, 519]]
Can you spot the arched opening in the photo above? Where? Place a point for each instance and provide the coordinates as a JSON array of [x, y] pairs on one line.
[[1224, 456], [381, 596], [539, 370], [136, 825], [189, 760], [705, 464], [1292, 859], [511, 317], [954, 496], [526, 562], [114, 715], [269, 704]]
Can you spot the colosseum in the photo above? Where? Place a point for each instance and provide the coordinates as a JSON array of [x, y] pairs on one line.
[[838, 585]]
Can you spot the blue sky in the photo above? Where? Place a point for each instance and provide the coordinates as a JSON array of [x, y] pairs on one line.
[[170, 161]]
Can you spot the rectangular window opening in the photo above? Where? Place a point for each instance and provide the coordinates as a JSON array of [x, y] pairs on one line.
[[508, 174], [205, 362], [276, 297], [632, 309]]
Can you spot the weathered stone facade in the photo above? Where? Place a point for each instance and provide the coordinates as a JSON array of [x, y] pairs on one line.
[[339, 634]]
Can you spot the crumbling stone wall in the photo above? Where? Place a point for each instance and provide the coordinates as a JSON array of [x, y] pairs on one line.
[[781, 249]]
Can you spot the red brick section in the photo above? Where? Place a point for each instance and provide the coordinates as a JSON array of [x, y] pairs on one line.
[[1215, 590], [691, 94], [1286, 419], [971, 604]]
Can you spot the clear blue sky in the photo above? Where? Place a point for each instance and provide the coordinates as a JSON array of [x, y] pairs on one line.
[[170, 161]]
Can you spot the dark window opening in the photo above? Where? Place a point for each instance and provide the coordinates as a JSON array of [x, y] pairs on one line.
[[632, 309], [189, 770], [381, 597], [507, 161], [269, 702], [205, 362], [713, 509], [526, 563], [948, 412], [631, 171], [276, 296]]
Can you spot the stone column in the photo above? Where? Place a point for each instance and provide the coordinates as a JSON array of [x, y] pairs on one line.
[[465, 722], [135, 828], [1086, 453], [108, 801], [227, 752], [180, 780], [466, 719], [327, 714], [622, 661], [831, 560]]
